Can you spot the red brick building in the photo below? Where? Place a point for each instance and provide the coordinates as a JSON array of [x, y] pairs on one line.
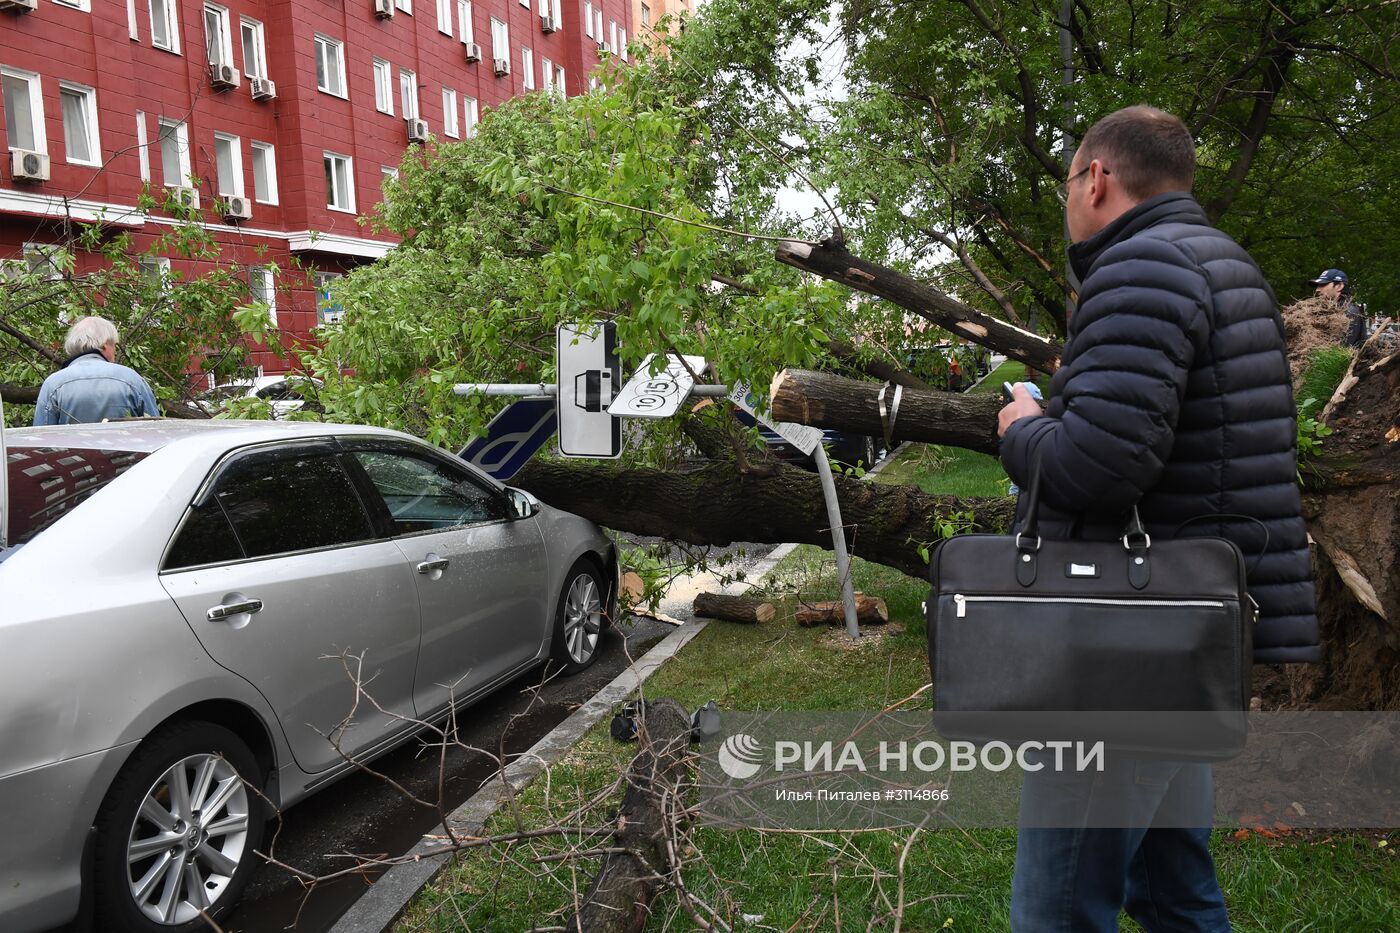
[[290, 113]]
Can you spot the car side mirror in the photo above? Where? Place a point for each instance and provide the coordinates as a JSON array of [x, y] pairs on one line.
[[522, 504]]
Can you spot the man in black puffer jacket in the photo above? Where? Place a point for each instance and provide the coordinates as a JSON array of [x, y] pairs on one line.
[[1174, 393]]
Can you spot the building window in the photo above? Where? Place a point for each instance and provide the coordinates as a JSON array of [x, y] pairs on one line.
[[218, 40], [387, 174], [174, 154], [470, 115], [444, 11], [254, 48], [340, 182], [131, 29], [330, 66], [83, 5], [405, 5], [527, 65], [588, 19], [559, 81], [24, 111], [328, 311], [612, 33], [464, 21], [547, 75], [449, 112], [143, 142], [383, 87], [598, 23], [156, 270], [46, 260], [228, 158], [646, 15], [263, 286], [500, 41], [408, 94], [265, 173], [622, 42], [525, 4], [80, 124], [165, 25]]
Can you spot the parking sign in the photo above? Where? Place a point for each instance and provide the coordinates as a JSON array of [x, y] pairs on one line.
[[589, 373]]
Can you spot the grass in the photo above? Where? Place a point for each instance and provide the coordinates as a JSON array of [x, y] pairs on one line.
[[1324, 372]]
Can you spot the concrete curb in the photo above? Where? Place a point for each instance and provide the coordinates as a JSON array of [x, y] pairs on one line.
[[389, 896]]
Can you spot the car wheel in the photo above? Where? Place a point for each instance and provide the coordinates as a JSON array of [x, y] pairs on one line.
[[580, 618], [178, 830], [872, 453]]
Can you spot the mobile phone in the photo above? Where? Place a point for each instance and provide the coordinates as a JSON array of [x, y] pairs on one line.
[[1006, 392]]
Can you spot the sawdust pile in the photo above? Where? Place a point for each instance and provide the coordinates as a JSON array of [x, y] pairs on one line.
[[1308, 324]]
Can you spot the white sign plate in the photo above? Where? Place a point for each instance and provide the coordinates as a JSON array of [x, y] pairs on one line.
[[802, 436], [658, 395], [588, 373]]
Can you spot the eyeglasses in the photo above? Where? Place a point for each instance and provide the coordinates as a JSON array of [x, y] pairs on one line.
[[1062, 189]]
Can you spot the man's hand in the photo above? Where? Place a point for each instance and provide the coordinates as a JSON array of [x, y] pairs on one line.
[[1020, 406]]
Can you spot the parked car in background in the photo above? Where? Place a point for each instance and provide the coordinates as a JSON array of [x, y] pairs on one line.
[[285, 393], [187, 610]]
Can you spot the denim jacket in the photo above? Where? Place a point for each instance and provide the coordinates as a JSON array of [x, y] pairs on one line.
[[88, 389]]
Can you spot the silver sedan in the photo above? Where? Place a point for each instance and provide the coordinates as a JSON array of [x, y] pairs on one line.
[[202, 621]]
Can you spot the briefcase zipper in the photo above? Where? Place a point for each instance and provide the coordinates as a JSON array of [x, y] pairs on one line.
[[961, 601]]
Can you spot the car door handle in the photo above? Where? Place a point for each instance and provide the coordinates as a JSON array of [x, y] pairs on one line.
[[225, 610], [433, 563]]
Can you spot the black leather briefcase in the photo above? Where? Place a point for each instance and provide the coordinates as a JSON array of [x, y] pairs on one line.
[[1145, 645]]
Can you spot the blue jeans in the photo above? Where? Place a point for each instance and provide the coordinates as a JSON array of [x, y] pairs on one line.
[[1073, 875]]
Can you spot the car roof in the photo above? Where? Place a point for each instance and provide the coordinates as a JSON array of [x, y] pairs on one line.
[[151, 434]]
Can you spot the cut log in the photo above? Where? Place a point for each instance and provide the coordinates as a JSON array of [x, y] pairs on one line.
[[831, 260], [827, 401], [620, 895], [870, 610], [733, 608]]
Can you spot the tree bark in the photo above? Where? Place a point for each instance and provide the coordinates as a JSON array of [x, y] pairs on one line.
[[828, 401], [620, 895], [870, 610], [19, 395], [831, 260], [733, 608]]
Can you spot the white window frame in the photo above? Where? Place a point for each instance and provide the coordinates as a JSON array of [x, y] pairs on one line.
[[383, 86], [622, 42], [559, 86], [449, 113], [182, 143], [338, 47], [131, 29], [235, 152], [598, 21], [500, 34], [269, 161], [444, 15], [527, 66], [405, 5], [646, 14], [557, 7], [408, 94], [525, 4], [143, 146], [322, 278], [84, 5], [465, 30], [334, 158], [262, 286], [257, 68], [386, 174], [170, 9], [588, 18], [41, 259], [156, 266], [470, 116], [89, 96], [547, 75], [612, 36], [218, 47], [36, 110]]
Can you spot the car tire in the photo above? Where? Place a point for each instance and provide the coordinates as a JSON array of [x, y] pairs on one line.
[[580, 618], [142, 840]]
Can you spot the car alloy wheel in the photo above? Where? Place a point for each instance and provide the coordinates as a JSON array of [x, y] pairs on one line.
[[580, 618]]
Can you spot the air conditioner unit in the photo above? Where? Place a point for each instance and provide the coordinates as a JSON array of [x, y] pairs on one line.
[[21, 6], [602, 45], [263, 88], [186, 196], [238, 209], [502, 66], [223, 77], [384, 9], [29, 166], [548, 22], [473, 52], [417, 130]]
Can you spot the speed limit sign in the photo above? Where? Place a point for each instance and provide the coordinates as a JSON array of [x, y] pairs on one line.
[[657, 394]]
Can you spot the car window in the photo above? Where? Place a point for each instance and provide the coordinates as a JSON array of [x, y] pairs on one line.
[[206, 537], [276, 501], [423, 493], [46, 483]]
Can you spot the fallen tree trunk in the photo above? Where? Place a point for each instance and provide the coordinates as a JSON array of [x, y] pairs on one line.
[[870, 610], [733, 608], [18, 395], [827, 401], [831, 260], [620, 896]]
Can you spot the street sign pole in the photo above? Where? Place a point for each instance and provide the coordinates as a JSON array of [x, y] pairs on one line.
[[838, 542]]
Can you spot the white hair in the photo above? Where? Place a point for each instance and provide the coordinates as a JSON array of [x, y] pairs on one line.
[[89, 334]]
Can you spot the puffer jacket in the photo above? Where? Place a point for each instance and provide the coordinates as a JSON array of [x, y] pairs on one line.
[[1174, 392]]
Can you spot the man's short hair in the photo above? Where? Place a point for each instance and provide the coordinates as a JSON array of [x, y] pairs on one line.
[[1148, 150], [89, 334]]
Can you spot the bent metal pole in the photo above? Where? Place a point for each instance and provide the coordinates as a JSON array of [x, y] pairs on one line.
[[838, 541]]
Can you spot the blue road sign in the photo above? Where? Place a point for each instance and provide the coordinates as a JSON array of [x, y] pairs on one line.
[[512, 438]]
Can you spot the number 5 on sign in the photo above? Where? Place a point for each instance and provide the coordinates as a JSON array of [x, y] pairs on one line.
[[657, 395]]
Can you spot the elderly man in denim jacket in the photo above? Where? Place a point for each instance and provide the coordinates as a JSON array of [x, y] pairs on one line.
[[90, 387]]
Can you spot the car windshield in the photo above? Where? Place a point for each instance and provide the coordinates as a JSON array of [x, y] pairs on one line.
[[46, 483]]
